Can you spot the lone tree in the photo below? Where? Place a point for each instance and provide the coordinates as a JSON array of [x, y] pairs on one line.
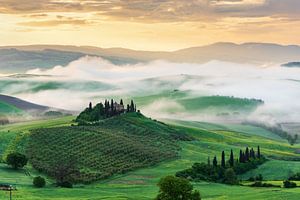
[[16, 160], [173, 188]]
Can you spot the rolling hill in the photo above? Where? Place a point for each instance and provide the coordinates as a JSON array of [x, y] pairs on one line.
[[116, 145], [16, 110], [14, 104]]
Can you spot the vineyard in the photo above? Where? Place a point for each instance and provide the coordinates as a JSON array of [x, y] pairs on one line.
[[115, 145]]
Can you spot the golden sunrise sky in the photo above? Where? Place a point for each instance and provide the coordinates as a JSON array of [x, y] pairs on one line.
[[148, 24]]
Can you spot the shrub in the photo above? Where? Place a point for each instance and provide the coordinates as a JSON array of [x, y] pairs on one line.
[[16, 160], [295, 177], [39, 182], [260, 184], [289, 184]]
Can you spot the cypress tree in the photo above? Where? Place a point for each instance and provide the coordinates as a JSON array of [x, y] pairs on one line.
[[131, 106], [105, 106], [128, 108], [90, 106], [121, 102], [231, 159], [241, 159], [244, 158], [108, 109], [223, 159], [112, 105], [258, 152], [252, 153], [247, 154], [208, 161], [215, 162]]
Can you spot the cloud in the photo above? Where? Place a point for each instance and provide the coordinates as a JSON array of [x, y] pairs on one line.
[[157, 11], [48, 23], [277, 86]]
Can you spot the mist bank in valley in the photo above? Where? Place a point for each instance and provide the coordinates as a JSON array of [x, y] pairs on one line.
[[72, 86]]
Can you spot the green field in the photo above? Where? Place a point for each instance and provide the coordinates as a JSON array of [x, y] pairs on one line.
[[141, 184]]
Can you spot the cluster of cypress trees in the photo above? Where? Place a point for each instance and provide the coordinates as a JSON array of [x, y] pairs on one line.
[[106, 110], [226, 170], [245, 156]]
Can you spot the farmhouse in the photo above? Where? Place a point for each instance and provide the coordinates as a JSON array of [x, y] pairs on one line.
[[119, 107]]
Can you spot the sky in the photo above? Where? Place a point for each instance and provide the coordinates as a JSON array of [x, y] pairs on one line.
[[156, 25]]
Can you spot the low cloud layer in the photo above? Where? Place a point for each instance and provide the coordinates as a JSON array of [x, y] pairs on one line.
[[277, 86]]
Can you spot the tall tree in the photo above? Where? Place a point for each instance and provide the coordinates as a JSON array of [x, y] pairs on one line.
[[131, 106], [223, 159], [121, 102], [247, 155], [258, 152], [231, 159], [241, 159], [128, 108], [208, 161], [112, 105], [252, 153], [215, 162], [90, 106]]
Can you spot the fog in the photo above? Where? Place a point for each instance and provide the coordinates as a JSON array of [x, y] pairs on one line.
[[277, 86]]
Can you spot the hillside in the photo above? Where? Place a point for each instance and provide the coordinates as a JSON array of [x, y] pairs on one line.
[[21, 58], [116, 145], [14, 104]]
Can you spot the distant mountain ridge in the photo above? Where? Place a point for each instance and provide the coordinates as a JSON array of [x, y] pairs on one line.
[[21, 58], [291, 64]]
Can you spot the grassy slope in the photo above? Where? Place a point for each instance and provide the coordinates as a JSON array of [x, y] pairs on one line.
[[141, 184]]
